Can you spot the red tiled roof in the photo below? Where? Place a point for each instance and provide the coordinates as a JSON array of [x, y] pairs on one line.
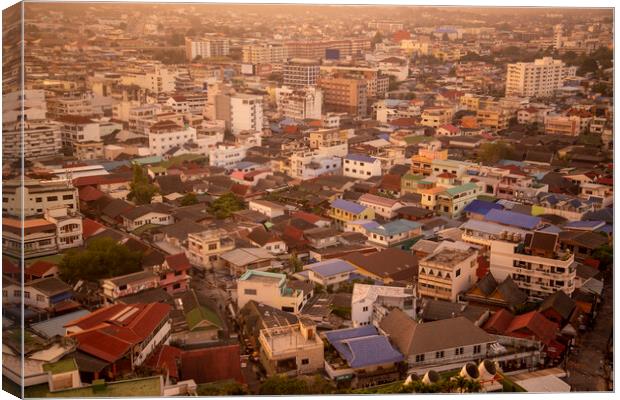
[[533, 323], [90, 227], [99, 180], [450, 128], [212, 364], [9, 267], [403, 122], [39, 268], [109, 332], [290, 129], [90, 193], [166, 357], [308, 217], [499, 322], [390, 181], [178, 262], [239, 189], [446, 175]]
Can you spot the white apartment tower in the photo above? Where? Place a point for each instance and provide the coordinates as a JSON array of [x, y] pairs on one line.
[[268, 53], [301, 72], [299, 104], [246, 113], [536, 79], [206, 48]]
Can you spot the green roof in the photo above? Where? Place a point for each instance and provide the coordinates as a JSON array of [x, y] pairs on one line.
[[413, 177], [61, 366], [148, 160], [201, 313], [157, 168], [143, 387], [179, 159], [460, 189]]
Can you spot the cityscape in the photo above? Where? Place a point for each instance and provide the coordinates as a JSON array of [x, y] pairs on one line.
[[254, 199]]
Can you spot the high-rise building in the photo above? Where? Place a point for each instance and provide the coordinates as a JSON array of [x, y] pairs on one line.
[[302, 103], [241, 112], [343, 94], [301, 72], [268, 53], [536, 79], [206, 47]]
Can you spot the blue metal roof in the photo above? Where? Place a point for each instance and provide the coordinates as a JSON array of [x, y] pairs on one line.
[[362, 347], [395, 227], [551, 229], [482, 207], [56, 326], [512, 218], [585, 224], [349, 206], [331, 267], [360, 157]]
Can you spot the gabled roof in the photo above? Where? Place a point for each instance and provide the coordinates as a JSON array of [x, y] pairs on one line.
[[39, 268], [49, 286], [414, 338], [178, 262], [349, 206], [481, 207], [559, 302], [331, 267], [212, 364]]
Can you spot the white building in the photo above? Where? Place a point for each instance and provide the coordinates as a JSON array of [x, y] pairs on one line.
[[33, 197], [299, 104], [536, 265], [206, 47], [165, 135], [383, 206], [309, 165], [539, 78], [77, 129], [361, 166], [268, 208], [270, 289], [226, 155], [300, 72], [246, 113], [370, 303]]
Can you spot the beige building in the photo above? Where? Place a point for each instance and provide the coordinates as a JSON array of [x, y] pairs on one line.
[[204, 248], [37, 196], [292, 350], [267, 53], [341, 94], [268, 288], [448, 271], [536, 79]]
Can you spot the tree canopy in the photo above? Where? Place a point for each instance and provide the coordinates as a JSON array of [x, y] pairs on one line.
[[102, 258], [141, 190], [490, 153], [189, 199], [226, 205]]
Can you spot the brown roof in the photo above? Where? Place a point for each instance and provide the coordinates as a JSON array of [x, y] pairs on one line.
[[212, 364], [413, 338], [391, 263]]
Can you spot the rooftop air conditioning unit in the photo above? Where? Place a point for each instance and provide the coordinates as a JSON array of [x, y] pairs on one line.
[[487, 370], [470, 371], [430, 377]]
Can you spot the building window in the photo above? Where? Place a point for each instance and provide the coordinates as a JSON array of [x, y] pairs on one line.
[[67, 197], [40, 298], [213, 246], [250, 292], [419, 358], [26, 295], [458, 272], [477, 349], [458, 351], [439, 354], [52, 198], [305, 361], [365, 308]]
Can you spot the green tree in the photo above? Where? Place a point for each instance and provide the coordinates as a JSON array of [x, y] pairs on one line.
[[102, 258], [605, 255], [283, 385], [141, 190], [295, 262], [189, 199], [490, 153], [378, 38], [226, 205]]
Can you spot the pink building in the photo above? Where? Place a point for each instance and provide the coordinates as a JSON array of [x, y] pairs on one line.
[[174, 273]]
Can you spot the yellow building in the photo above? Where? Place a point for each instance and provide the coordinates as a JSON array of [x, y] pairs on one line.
[[344, 211]]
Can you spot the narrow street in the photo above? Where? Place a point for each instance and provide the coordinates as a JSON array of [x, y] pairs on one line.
[[587, 369]]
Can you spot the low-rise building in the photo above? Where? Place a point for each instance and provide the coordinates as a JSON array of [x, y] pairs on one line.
[[370, 303], [268, 288], [330, 273], [361, 166], [383, 206], [447, 272], [293, 349], [343, 211], [204, 248]]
